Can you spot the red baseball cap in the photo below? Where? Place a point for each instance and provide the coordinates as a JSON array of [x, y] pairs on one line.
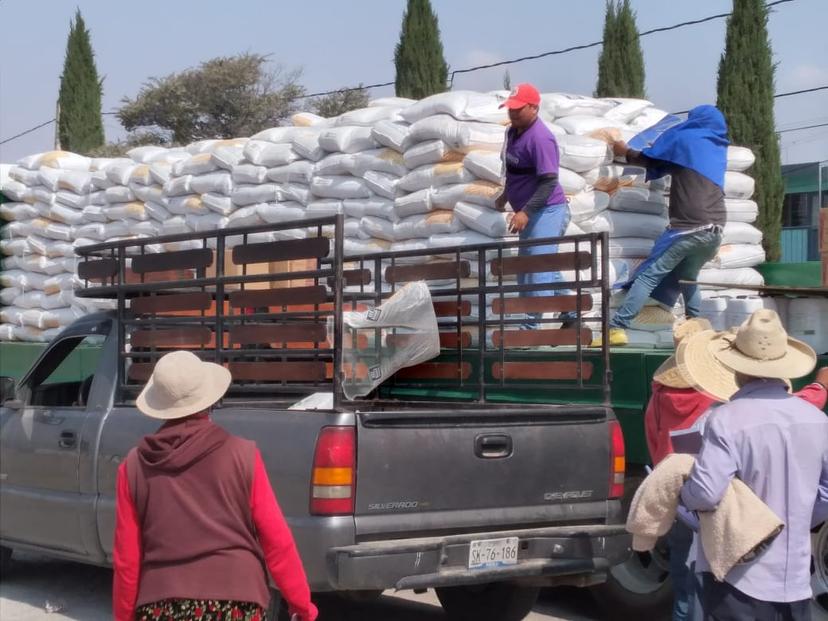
[[522, 95]]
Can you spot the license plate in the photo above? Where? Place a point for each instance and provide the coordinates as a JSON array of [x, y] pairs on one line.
[[484, 553]]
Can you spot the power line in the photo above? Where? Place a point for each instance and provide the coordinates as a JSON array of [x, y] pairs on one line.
[[28, 131], [806, 90], [796, 129], [36, 127], [599, 43], [574, 48], [788, 94], [508, 62]]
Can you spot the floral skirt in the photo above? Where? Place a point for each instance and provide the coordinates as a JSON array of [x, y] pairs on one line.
[[199, 610]]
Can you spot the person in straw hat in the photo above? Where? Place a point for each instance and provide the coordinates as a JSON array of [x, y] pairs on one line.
[[197, 524], [772, 441], [675, 405]]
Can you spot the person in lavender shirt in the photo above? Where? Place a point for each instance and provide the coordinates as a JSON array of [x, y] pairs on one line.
[[777, 444], [532, 163]]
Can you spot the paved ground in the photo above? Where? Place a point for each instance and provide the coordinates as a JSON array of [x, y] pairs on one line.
[[40, 589]]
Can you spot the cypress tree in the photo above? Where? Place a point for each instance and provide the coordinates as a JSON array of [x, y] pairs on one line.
[[418, 57], [745, 97], [79, 124], [621, 63]]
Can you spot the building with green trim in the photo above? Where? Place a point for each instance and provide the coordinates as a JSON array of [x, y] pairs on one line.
[[800, 212]]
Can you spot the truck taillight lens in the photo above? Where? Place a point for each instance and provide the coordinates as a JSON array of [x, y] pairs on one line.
[[333, 482], [617, 460]]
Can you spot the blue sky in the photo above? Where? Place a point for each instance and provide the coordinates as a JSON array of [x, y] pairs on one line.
[[340, 43]]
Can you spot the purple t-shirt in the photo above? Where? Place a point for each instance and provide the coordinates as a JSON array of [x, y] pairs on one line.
[[528, 156]]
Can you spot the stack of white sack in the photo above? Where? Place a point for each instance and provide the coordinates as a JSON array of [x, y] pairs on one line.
[[52, 199], [406, 174]]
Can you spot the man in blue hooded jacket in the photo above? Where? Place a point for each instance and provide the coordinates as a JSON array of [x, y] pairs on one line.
[[694, 154]]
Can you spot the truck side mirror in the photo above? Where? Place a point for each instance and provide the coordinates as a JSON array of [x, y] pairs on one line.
[[7, 389]]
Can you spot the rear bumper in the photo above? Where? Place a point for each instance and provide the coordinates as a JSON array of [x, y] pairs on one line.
[[545, 554]]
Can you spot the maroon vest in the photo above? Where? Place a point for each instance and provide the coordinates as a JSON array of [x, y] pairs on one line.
[[197, 533]]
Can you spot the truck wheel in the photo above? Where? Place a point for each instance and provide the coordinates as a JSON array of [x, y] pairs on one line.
[[5, 561], [497, 601], [640, 587], [819, 573]]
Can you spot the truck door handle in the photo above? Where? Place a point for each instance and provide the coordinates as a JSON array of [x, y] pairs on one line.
[[68, 439], [493, 446]]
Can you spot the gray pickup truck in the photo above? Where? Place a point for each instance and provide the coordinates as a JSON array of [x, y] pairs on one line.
[[483, 500]]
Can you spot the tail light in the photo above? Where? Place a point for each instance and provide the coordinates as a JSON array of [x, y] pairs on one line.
[[617, 460], [333, 482]]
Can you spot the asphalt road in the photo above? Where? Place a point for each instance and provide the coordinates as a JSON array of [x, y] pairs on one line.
[[41, 589]]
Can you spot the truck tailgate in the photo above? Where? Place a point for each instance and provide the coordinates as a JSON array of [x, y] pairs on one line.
[[441, 471]]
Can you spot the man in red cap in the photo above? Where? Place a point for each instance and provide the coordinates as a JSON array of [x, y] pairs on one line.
[[531, 160]]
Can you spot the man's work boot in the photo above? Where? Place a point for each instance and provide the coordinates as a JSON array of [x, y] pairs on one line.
[[617, 338]]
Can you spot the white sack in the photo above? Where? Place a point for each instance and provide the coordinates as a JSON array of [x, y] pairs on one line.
[[738, 185], [460, 135], [300, 171], [461, 105], [217, 182], [739, 159], [269, 154], [733, 256], [585, 205], [339, 186], [581, 153], [249, 173], [433, 175], [741, 233], [391, 134], [486, 165], [381, 184], [486, 221], [741, 210], [347, 139]]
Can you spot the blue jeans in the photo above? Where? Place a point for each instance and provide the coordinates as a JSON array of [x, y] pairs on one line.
[[680, 537], [551, 221], [683, 260]]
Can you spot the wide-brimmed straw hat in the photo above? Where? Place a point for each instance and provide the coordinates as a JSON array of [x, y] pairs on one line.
[[759, 348], [182, 384], [670, 373]]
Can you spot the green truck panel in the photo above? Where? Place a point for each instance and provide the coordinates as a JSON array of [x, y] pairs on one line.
[[632, 372]]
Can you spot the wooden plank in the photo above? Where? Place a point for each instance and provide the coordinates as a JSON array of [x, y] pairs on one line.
[[447, 339], [429, 271], [172, 337], [175, 276], [286, 296], [140, 371], [278, 371], [552, 262], [437, 370], [285, 250], [557, 370], [354, 278], [530, 338], [278, 333], [541, 304], [452, 308], [99, 269], [197, 301], [197, 258]]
